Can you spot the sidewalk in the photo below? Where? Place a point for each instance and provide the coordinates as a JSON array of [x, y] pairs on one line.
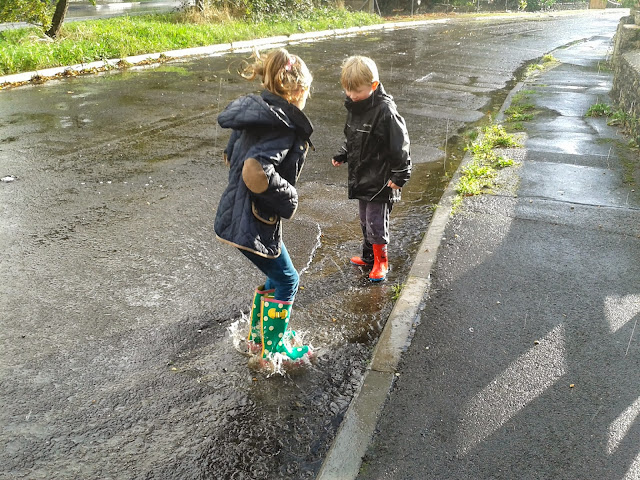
[[524, 361]]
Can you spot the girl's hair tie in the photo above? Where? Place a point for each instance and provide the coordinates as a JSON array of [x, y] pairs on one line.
[[289, 64]]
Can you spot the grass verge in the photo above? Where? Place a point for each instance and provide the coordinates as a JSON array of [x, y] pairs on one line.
[[28, 49]]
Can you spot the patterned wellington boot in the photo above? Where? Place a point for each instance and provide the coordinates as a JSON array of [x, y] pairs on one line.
[[274, 322], [254, 339]]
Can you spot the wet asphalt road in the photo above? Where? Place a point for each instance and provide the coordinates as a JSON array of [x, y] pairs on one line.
[[80, 10], [116, 301], [102, 9]]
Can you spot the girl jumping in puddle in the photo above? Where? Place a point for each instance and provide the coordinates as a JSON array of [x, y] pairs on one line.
[[269, 141]]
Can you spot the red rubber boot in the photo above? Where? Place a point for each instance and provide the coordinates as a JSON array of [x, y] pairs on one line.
[[380, 264], [366, 260], [361, 262]]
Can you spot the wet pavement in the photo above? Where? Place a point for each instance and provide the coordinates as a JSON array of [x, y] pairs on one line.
[[525, 360], [116, 300]]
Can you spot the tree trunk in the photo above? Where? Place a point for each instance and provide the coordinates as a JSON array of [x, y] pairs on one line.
[[58, 18]]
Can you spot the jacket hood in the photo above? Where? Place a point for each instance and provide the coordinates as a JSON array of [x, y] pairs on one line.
[[378, 96], [265, 110], [298, 119]]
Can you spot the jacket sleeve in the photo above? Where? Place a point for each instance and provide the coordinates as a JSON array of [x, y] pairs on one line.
[[341, 156], [399, 149], [228, 152], [280, 196]]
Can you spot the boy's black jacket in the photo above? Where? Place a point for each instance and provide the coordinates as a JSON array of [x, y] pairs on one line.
[[376, 148], [274, 132]]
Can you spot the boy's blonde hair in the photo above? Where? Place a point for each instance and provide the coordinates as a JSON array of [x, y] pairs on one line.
[[281, 73], [358, 71]]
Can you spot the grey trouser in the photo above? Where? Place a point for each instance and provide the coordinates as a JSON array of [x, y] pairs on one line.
[[374, 220]]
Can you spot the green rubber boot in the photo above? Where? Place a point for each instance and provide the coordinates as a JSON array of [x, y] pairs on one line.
[[274, 322], [254, 339]]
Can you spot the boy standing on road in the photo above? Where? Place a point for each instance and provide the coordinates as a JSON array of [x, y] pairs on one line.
[[376, 150]]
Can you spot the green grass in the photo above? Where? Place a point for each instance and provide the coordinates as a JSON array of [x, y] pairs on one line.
[[27, 49], [628, 123], [599, 110]]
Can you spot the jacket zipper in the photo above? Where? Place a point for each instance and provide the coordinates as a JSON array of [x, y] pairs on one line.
[[379, 191]]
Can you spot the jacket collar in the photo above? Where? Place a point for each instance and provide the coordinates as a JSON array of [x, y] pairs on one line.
[[377, 97]]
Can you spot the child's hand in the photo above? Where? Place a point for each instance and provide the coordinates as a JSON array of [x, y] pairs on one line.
[[392, 185], [335, 164]]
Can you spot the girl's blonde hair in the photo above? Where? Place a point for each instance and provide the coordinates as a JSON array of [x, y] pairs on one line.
[[358, 71], [281, 73]]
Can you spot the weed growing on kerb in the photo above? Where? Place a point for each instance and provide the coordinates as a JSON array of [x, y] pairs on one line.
[[548, 62], [396, 290], [478, 175], [521, 110]]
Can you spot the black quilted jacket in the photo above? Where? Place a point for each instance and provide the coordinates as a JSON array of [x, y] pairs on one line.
[[277, 134], [376, 148]]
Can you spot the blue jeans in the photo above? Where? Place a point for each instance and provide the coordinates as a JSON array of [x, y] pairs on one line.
[[280, 272]]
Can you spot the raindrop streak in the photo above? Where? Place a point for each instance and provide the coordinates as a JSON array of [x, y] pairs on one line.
[[631, 338], [215, 143], [446, 142]]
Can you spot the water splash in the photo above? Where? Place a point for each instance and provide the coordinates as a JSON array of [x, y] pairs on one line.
[[425, 78], [276, 363], [237, 332], [313, 250], [279, 364]]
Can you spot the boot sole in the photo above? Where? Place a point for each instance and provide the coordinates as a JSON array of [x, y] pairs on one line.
[[361, 264]]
